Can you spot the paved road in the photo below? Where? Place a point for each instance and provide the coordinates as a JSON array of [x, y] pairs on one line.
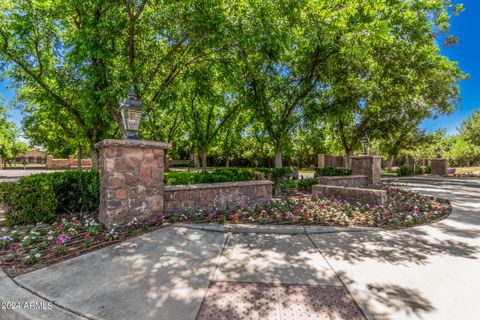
[[15, 174], [427, 272]]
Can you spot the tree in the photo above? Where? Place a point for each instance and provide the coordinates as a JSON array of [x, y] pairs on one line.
[[209, 106], [399, 80], [10, 147], [80, 58], [470, 129]]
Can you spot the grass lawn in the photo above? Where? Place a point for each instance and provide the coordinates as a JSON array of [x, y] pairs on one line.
[[306, 171], [466, 169], [387, 174]]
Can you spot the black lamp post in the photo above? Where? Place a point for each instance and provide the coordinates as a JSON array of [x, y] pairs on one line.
[[132, 115], [366, 144]]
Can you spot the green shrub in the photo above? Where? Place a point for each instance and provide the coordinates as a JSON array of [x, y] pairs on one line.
[[236, 174], [30, 201], [306, 183], [76, 191], [277, 175], [332, 171], [423, 170], [175, 178], [38, 198], [419, 170], [405, 170]]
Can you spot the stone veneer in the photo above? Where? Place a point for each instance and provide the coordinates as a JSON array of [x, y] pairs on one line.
[[368, 165], [131, 179], [344, 181], [440, 166], [370, 196], [221, 196]]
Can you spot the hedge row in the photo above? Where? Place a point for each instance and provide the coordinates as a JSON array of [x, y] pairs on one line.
[[332, 171], [40, 197], [277, 175]]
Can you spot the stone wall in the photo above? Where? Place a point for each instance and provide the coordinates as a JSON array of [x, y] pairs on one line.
[[440, 167], [221, 196], [344, 181], [324, 160], [370, 196], [368, 165], [70, 163], [131, 179]]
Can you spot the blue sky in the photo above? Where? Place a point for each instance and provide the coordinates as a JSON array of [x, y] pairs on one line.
[[466, 53], [466, 27]]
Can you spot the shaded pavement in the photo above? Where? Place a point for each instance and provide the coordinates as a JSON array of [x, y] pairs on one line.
[[426, 272]]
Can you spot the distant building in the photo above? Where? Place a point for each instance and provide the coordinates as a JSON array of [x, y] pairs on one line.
[[32, 156]]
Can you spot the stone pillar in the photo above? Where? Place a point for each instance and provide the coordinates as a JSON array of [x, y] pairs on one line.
[[71, 161], [368, 165], [49, 162], [131, 179], [321, 160], [440, 167]]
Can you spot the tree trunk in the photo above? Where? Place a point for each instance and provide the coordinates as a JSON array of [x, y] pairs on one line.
[[348, 159], [94, 156], [79, 158], [278, 158], [227, 162], [389, 163], [204, 159], [165, 160]]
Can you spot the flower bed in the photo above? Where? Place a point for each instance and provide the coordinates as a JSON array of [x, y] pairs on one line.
[[29, 247]]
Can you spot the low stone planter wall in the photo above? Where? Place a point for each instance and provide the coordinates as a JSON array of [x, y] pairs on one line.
[[344, 181], [370, 196], [221, 196]]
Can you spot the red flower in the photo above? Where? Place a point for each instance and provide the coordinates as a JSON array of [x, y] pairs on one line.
[[298, 208], [234, 219], [58, 228], [87, 236]]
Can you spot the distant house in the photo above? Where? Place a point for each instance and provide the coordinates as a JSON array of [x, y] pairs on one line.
[[32, 156]]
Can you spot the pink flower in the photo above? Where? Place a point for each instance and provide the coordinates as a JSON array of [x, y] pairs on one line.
[[87, 236], [14, 246]]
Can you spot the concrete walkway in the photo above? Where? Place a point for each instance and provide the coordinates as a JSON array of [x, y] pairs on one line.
[[195, 272]]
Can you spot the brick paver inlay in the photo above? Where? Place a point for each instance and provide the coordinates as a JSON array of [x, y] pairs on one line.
[[233, 300]]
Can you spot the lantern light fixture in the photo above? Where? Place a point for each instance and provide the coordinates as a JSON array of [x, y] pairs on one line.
[[132, 111], [366, 144]]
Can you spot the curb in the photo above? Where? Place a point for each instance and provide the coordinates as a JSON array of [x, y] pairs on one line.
[[273, 229]]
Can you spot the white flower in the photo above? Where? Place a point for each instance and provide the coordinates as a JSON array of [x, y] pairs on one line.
[[38, 255]]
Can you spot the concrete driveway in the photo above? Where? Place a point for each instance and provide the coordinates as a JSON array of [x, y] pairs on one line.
[[426, 272]]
